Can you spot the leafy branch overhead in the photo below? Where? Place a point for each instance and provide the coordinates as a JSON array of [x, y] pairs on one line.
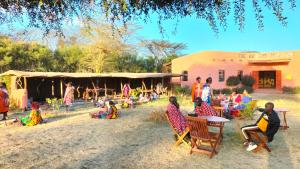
[[52, 14]]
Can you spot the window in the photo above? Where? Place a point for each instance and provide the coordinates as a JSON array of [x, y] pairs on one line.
[[240, 74], [221, 75], [184, 76]]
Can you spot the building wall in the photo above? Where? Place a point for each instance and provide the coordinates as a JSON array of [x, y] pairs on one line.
[[208, 63]]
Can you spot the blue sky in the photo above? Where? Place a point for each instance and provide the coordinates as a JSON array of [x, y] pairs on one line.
[[198, 36]]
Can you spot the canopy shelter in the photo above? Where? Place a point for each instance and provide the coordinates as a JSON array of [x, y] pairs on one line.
[[42, 85]]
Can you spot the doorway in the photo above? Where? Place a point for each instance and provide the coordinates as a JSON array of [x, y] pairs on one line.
[[267, 79]]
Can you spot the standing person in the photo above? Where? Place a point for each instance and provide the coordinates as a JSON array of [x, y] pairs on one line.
[[196, 90], [69, 96], [126, 90], [4, 100], [207, 91]]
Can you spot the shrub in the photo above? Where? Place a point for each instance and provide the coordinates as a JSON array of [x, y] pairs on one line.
[[158, 115], [226, 91], [217, 91], [183, 90], [291, 90], [248, 80], [233, 81], [241, 89], [136, 92]]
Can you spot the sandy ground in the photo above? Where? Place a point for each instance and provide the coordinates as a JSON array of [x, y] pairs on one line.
[[77, 141]]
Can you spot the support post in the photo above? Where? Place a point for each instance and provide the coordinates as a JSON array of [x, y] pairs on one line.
[[25, 83], [105, 88], [61, 89], [122, 89], [151, 84]]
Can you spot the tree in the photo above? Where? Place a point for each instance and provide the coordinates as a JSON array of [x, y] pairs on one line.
[[51, 15], [68, 58], [162, 51]]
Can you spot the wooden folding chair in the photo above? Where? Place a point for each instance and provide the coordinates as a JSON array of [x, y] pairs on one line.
[[180, 137], [261, 139], [200, 134]]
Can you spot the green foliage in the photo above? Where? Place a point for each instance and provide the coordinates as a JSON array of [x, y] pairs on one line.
[[51, 15], [291, 90], [185, 90], [248, 80], [248, 111], [136, 92], [242, 88], [54, 103], [233, 81]]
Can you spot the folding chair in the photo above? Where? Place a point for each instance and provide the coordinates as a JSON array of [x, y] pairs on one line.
[[200, 134], [180, 137], [261, 139]]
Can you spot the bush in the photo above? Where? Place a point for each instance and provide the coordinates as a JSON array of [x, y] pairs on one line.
[[233, 81], [291, 90], [248, 80], [241, 89], [158, 115], [226, 91], [183, 90], [136, 92]]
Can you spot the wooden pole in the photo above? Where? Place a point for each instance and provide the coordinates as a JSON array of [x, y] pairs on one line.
[[151, 84], [105, 88], [25, 83], [122, 89], [61, 89]]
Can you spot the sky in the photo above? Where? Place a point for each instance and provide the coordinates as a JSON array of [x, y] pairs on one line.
[[198, 36]]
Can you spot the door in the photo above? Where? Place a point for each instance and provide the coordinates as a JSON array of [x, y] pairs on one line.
[[267, 79]]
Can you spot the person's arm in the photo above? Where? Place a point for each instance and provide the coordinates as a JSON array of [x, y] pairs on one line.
[[261, 116]]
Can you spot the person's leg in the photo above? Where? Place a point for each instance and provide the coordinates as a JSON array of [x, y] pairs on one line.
[[246, 129], [4, 115]]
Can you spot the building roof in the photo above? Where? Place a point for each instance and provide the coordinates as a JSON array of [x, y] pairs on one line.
[[86, 75]]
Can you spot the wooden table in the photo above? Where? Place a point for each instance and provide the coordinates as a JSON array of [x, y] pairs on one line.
[[215, 119], [220, 110], [283, 111]]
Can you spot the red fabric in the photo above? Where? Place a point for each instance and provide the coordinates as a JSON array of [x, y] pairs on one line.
[[196, 90], [176, 118], [205, 110], [235, 113], [3, 105]]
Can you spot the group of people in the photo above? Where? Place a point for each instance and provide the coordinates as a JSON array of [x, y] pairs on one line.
[[108, 110], [202, 98]]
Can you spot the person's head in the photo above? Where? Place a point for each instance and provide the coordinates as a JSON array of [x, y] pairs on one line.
[[173, 100], [269, 107], [2, 85], [198, 101], [111, 103], [209, 80], [198, 79], [245, 92], [35, 105]]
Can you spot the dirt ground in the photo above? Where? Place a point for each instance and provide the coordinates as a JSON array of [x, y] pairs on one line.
[[74, 140]]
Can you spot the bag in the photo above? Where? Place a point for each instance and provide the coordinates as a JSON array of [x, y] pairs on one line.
[[263, 124]]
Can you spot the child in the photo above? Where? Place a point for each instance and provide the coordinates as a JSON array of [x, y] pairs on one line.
[[33, 118], [113, 111], [273, 124], [103, 110]]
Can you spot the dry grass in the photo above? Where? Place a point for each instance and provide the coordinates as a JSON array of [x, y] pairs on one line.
[[158, 115]]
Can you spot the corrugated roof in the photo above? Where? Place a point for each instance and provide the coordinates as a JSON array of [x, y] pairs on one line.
[[82, 75]]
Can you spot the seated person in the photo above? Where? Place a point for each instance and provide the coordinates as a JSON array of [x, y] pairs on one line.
[[203, 109], [154, 95], [246, 97], [103, 110], [113, 111], [128, 102], [175, 116], [33, 118], [236, 98], [272, 127]]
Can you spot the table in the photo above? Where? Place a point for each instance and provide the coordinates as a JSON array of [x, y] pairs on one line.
[[215, 119], [284, 126], [220, 110]]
